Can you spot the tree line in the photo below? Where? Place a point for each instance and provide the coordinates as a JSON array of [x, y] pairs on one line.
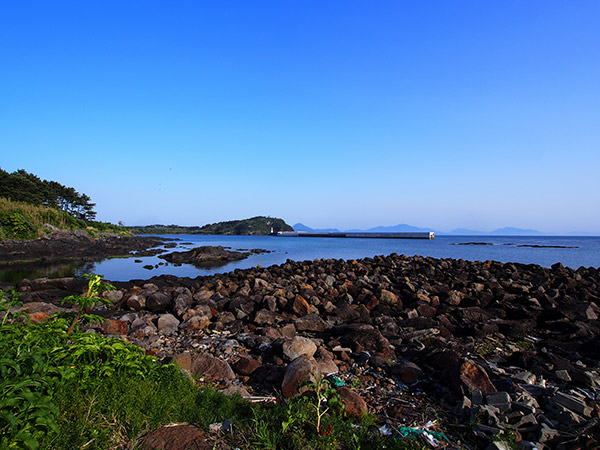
[[22, 186]]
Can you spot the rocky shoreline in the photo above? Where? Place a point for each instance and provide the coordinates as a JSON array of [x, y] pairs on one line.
[[476, 348], [62, 245]]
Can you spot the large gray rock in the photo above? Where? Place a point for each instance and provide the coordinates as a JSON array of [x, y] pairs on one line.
[[297, 346], [168, 324]]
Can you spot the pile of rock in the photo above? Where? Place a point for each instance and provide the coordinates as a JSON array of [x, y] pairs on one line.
[[503, 347]]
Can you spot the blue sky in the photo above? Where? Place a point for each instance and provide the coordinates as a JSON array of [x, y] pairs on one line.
[[345, 114]]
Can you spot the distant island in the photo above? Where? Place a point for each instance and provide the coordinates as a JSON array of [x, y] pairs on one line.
[[404, 228], [255, 226]]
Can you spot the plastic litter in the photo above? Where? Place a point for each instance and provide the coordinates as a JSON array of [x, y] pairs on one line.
[[432, 438], [337, 382]]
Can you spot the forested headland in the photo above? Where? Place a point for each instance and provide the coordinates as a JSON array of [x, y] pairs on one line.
[[29, 204], [260, 226]]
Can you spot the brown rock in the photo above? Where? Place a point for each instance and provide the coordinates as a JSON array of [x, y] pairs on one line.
[[303, 368], [196, 323], [407, 371], [158, 301], [176, 437], [474, 377], [38, 317], [117, 327], [354, 405], [246, 365], [182, 360], [311, 322], [455, 297], [389, 298], [211, 368], [136, 302], [301, 306]]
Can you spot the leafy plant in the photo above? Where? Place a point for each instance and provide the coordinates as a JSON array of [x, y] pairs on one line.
[[325, 397], [6, 303], [91, 299]]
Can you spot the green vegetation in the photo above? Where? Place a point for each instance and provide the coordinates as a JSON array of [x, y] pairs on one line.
[[259, 225], [84, 390], [21, 186], [20, 220]]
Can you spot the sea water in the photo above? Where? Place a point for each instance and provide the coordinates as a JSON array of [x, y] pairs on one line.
[[543, 250]]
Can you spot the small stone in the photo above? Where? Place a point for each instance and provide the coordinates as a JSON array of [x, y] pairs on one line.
[[38, 317], [524, 377], [158, 301], [547, 433], [455, 297], [136, 302], [182, 360], [498, 445]]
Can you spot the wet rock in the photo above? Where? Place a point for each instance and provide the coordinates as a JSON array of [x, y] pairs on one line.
[[205, 256]]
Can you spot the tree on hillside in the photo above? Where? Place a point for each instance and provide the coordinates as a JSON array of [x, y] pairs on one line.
[[26, 187]]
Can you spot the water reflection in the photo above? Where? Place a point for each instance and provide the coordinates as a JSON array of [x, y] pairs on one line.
[[13, 273]]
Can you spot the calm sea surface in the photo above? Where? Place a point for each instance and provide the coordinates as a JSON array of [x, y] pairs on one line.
[[580, 251]]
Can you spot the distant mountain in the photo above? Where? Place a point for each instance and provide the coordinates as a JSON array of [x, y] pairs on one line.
[[301, 227], [512, 231], [400, 228], [404, 228], [506, 231]]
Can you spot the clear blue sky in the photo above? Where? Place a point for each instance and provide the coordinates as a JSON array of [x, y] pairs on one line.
[[346, 114]]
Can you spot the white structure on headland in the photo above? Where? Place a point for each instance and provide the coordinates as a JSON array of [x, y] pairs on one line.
[[353, 234]]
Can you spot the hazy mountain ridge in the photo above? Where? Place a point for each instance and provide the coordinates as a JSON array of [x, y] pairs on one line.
[[405, 228]]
